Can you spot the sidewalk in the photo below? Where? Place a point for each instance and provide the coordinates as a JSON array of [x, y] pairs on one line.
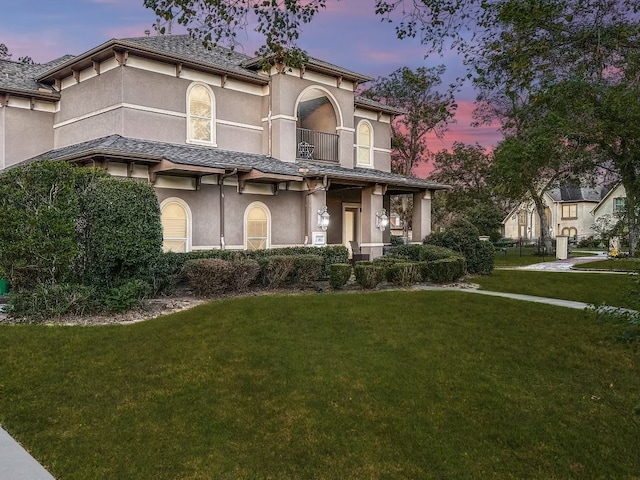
[[563, 265], [16, 463]]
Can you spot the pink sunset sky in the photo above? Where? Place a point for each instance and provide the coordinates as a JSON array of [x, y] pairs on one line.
[[347, 33]]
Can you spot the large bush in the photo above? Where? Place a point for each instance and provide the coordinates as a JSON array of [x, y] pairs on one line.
[[66, 228], [39, 210], [463, 237], [122, 234]]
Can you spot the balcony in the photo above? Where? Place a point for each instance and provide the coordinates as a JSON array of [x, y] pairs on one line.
[[313, 145]]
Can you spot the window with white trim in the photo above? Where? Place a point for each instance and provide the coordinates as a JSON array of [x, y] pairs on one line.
[[365, 143], [619, 204], [257, 227], [175, 227], [570, 210], [200, 114]]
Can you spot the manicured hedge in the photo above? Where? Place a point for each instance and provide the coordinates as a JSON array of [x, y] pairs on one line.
[[445, 270], [339, 275]]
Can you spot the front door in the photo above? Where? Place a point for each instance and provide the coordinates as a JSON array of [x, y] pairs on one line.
[[350, 224]]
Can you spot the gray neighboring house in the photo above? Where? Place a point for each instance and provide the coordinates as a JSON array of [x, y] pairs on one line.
[[240, 158]]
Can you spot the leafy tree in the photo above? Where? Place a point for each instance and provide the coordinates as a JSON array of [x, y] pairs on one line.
[[467, 170], [218, 21], [4, 52], [426, 110], [26, 60]]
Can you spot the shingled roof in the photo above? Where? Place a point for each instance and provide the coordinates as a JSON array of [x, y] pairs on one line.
[[18, 77], [567, 193], [116, 146]]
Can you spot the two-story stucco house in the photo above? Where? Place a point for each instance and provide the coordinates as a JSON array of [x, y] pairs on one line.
[[239, 157]]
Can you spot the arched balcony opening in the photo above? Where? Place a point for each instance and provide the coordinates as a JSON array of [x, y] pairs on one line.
[[317, 125]]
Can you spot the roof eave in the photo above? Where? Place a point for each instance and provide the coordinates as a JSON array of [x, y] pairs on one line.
[[65, 69]]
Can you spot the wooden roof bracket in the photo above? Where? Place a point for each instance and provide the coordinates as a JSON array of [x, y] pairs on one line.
[[96, 66], [178, 70], [4, 99], [122, 57]]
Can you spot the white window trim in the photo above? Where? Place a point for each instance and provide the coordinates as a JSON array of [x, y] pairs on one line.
[[370, 164], [185, 205], [191, 140], [250, 207]]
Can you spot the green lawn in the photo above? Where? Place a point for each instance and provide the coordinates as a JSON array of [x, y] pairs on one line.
[[594, 288], [617, 264], [516, 257], [367, 385]]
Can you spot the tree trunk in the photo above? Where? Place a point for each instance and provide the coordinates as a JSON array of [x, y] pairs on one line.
[[545, 238]]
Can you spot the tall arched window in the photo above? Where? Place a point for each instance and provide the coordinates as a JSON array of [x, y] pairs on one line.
[[200, 115], [257, 227], [175, 226], [365, 143]]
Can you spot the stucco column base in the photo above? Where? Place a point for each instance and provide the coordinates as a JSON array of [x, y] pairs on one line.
[[372, 237]]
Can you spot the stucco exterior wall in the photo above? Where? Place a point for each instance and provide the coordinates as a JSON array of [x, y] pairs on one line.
[[27, 133], [381, 143], [286, 213], [606, 207], [91, 95], [205, 207], [96, 126]]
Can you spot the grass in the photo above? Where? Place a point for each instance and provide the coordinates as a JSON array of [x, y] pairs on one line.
[[617, 264], [593, 288], [377, 385], [514, 257]]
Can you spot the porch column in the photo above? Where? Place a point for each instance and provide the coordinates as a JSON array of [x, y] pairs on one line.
[[421, 216], [372, 203], [316, 201]]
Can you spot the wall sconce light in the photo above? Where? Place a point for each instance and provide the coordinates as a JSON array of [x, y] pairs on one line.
[[382, 220], [323, 218]]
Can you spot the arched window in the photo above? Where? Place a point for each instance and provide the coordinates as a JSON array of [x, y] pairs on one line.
[[257, 228], [570, 232], [175, 226], [365, 143], [200, 114]]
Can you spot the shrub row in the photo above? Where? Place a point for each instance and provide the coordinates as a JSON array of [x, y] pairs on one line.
[[211, 276], [402, 272], [168, 269]]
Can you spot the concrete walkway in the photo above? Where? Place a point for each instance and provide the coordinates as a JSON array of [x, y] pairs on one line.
[[16, 463]]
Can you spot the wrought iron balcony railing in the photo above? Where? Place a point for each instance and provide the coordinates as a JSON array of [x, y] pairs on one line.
[[314, 145]]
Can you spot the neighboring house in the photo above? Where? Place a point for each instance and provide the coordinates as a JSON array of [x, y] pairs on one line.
[[613, 203], [568, 211], [239, 158]]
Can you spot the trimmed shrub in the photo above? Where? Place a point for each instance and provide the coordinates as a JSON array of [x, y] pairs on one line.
[[410, 252], [307, 269], [330, 254], [339, 275], [368, 275], [126, 296], [463, 237], [49, 301], [404, 274], [121, 234], [243, 274], [208, 276], [484, 260], [278, 269], [429, 253], [445, 270]]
